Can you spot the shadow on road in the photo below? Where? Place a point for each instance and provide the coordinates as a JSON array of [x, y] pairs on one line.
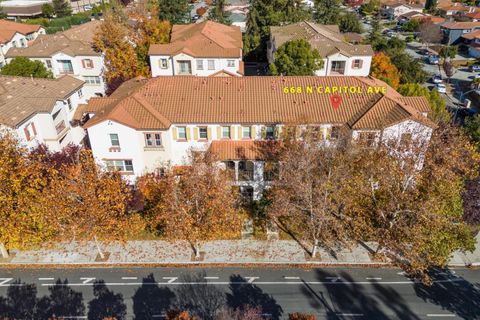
[[106, 304], [151, 300]]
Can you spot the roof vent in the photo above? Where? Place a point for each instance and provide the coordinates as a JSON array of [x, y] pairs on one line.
[[9, 97]]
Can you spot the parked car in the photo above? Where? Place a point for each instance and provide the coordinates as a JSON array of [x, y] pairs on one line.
[[195, 18], [441, 88], [433, 59], [474, 68], [391, 34], [477, 76], [437, 79]]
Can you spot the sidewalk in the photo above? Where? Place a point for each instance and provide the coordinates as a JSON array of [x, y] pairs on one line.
[[213, 252]]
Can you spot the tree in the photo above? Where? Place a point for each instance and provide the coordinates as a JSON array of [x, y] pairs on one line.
[[429, 33], [472, 129], [349, 22], [431, 5], [218, 13], [305, 197], [437, 103], [411, 70], [411, 26], [370, 8], [61, 8], [327, 11], [3, 15], [296, 58], [115, 40], [197, 204], [448, 69], [383, 69], [47, 10], [448, 52], [174, 11], [24, 67], [375, 37]]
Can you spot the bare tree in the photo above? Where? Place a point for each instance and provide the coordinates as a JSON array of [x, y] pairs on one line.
[[430, 33]]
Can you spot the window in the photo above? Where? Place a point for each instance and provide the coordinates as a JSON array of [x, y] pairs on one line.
[[367, 139], [270, 133], [333, 133], [199, 64], [225, 132], [80, 93], [163, 63], [55, 115], [30, 131], [60, 127], [357, 64], [203, 133], [185, 67], [14, 44], [153, 140], [66, 66], [245, 171], [114, 140], [69, 103], [338, 67], [211, 64], [87, 63], [92, 80], [49, 63], [231, 63], [23, 44], [182, 133], [119, 165], [246, 132]]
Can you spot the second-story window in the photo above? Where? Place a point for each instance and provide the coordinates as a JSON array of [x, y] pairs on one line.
[[211, 64], [80, 93], [49, 63], [357, 64], [30, 131], [87, 63], [69, 103], [203, 133], [270, 133], [182, 133], [246, 132], [164, 63], [231, 63], [153, 140], [200, 64], [115, 142], [333, 133], [225, 132]]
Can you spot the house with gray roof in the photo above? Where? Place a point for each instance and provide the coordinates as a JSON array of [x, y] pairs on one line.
[[339, 56]]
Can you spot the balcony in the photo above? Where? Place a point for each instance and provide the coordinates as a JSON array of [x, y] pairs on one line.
[[60, 127], [65, 66]]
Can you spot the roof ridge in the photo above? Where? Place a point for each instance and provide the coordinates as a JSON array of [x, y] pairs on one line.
[[160, 117]]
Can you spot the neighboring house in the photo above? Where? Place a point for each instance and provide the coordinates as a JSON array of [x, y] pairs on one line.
[[472, 41], [202, 49], [339, 56], [69, 52], [238, 10], [449, 8], [453, 31], [39, 111], [475, 16], [426, 18], [147, 123], [13, 35], [396, 10], [23, 8]]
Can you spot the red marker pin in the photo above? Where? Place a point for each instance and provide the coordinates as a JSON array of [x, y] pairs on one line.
[[335, 100]]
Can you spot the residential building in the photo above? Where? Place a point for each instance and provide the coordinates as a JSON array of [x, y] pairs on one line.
[[395, 10], [13, 34], [147, 123], [39, 111], [339, 56], [23, 8], [472, 42], [475, 16], [453, 31], [202, 49], [69, 52], [449, 8]]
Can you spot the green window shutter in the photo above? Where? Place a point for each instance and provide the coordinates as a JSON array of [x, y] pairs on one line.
[[328, 133], [254, 132], [195, 133], [174, 133], [240, 128], [232, 132], [219, 132], [263, 132], [188, 133], [209, 133]]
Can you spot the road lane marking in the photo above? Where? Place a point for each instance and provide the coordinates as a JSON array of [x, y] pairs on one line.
[[46, 279], [291, 278], [333, 279], [211, 278], [350, 314], [87, 280], [440, 315], [3, 281], [129, 278], [373, 278], [171, 279], [251, 279]]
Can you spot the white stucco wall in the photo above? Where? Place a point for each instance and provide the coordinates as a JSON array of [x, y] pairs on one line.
[[364, 71]]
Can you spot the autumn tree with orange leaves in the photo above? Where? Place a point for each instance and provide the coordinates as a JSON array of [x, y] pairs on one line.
[[383, 69], [196, 203]]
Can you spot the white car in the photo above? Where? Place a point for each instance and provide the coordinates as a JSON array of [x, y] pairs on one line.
[[437, 79], [477, 76], [441, 88]]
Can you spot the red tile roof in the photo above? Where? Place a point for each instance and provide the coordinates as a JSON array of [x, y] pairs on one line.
[[9, 28], [461, 25], [244, 150]]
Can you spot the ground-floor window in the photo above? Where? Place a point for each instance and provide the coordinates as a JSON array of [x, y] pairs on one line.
[[119, 165]]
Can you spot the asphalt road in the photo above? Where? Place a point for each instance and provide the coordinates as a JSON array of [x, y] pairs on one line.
[[329, 293]]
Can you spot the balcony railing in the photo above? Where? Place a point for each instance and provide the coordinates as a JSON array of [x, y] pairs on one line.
[[66, 71]]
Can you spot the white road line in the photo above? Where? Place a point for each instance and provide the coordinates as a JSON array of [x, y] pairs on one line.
[[170, 279], [440, 315], [251, 279], [3, 281], [350, 314], [291, 278], [333, 279], [129, 278], [45, 279], [87, 280], [211, 278], [373, 278]]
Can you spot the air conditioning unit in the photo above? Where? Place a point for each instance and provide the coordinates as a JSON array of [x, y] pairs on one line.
[[467, 103]]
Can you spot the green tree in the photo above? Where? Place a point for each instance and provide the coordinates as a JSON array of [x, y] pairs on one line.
[[349, 22], [375, 37], [218, 13], [47, 10], [370, 8], [411, 26], [327, 11], [431, 5], [24, 67], [62, 8], [174, 11], [3, 15], [411, 69], [437, 103], [472, 129], [448, 52], [296, 58]]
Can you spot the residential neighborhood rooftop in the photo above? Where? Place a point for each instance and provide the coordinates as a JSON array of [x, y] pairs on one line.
[[9, 28], [327, 39], [461, 25], [205, 39], [21, 97], [157, 103]]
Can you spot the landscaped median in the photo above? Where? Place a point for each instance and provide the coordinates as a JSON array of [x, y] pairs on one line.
[[235, 252]]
